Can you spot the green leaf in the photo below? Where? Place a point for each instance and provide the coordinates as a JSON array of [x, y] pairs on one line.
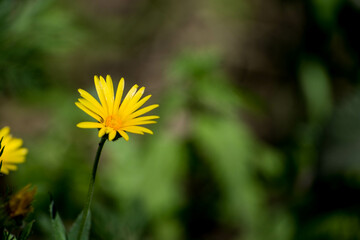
[[75, 229], [316, 86], [8, 236], [58, 226], [26, 232], [326, 12]]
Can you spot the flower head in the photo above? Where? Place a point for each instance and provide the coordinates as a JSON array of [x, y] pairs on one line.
[[12, 152], [20, 202], [115, 117]]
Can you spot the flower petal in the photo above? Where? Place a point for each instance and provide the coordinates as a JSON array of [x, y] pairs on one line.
[[137, 106], [124, 135], [136, 131], [91, 107], [102, 132], [119, 93], [100, 91], [112, 135], [16, 153], [137, 128], [11, 167], [14, 144], [142, 111], [145, 118], [89, 112], [91, 99], [109, 98], [16, 159], [4, 169], [139, 123], [4, 131], [89, 125], [128, 109], [127, 98], [110, 93]]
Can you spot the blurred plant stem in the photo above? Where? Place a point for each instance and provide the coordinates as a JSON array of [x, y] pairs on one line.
[[91, 186]]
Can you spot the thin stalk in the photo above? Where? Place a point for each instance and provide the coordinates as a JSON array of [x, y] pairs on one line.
[[91, 186]]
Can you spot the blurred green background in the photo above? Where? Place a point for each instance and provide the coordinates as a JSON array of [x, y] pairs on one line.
[[259, 135]]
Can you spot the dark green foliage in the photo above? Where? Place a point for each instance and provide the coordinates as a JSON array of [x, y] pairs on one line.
[[25, 233], [32, 32], [74, 231], [59, 232], [18, 227]]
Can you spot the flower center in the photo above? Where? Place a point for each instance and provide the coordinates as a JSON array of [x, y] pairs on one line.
[[113, 121]]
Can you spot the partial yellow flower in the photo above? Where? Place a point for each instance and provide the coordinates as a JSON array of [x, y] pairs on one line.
[[13, 153], [20, 202], [115, 117]]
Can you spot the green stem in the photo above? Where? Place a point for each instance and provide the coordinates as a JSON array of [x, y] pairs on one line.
[[91, 186]]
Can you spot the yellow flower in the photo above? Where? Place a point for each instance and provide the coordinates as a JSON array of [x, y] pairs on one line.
[[115, 117], [20, 202], [13, 153]]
